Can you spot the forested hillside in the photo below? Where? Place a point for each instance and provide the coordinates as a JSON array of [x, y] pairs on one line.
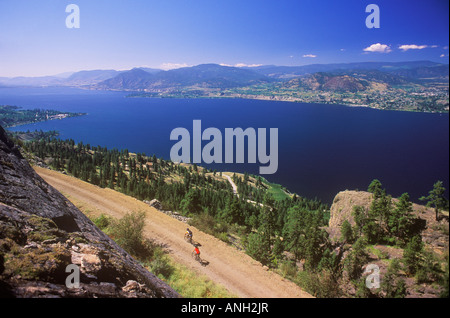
[[283, 231]]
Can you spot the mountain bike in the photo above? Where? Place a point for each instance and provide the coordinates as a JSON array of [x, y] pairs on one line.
[[188, 237], [196, 257]]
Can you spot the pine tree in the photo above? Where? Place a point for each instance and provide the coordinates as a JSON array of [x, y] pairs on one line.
[[360, 217], [258, 247], [191, 202], [232, 212], [375, 188], [378, 214], [392, 285], [293, 231], [412, 254], [268, 219], [356, 259], [315, 238], [346, 232], [401, 220], [436, 198]]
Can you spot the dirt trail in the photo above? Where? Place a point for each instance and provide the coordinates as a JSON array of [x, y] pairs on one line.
[[233, 185], [235, 270]]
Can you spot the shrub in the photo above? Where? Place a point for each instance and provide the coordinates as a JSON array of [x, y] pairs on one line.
[[161, 265], [128, 233], [102, 222], [206, 223], [320, 285], [288, 269]]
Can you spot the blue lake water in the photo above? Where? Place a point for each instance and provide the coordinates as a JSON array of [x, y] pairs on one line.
[[323, 149]]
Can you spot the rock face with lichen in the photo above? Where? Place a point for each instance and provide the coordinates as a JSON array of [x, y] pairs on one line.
[[41, 233]]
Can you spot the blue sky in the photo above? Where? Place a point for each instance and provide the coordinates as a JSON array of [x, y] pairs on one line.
[[116, 34]]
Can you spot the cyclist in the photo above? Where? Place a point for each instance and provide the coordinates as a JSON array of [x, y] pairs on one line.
[[188, 234], [196, 252]]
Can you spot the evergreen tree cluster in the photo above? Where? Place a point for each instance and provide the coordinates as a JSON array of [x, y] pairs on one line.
[[389, 223], [384, 222]]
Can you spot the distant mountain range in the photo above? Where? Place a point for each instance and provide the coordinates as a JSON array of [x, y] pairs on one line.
[[283, 72], [202, 76], [349, 77]]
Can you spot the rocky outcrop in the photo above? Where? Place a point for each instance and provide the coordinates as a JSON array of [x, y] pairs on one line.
[[434, 233], [343, 203], [158, 206], [41, 233]]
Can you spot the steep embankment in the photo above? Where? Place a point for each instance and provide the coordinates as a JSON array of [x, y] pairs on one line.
[[235, 270], [41, 233]]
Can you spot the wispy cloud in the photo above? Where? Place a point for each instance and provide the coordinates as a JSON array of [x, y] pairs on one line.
[[378, 48], [310, 55], [406, 47], [241, 65], [171, 66], [247, 65]]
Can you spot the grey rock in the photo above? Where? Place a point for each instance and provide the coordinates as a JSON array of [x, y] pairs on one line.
[[41, 223]]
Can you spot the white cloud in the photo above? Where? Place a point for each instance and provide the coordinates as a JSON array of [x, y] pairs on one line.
[[444, 55], [310, 55], [407, 47], [378, 48], [171, 66], [247, 65], [240, 65]]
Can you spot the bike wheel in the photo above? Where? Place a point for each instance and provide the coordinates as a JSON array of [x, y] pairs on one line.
[[195, 256]]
